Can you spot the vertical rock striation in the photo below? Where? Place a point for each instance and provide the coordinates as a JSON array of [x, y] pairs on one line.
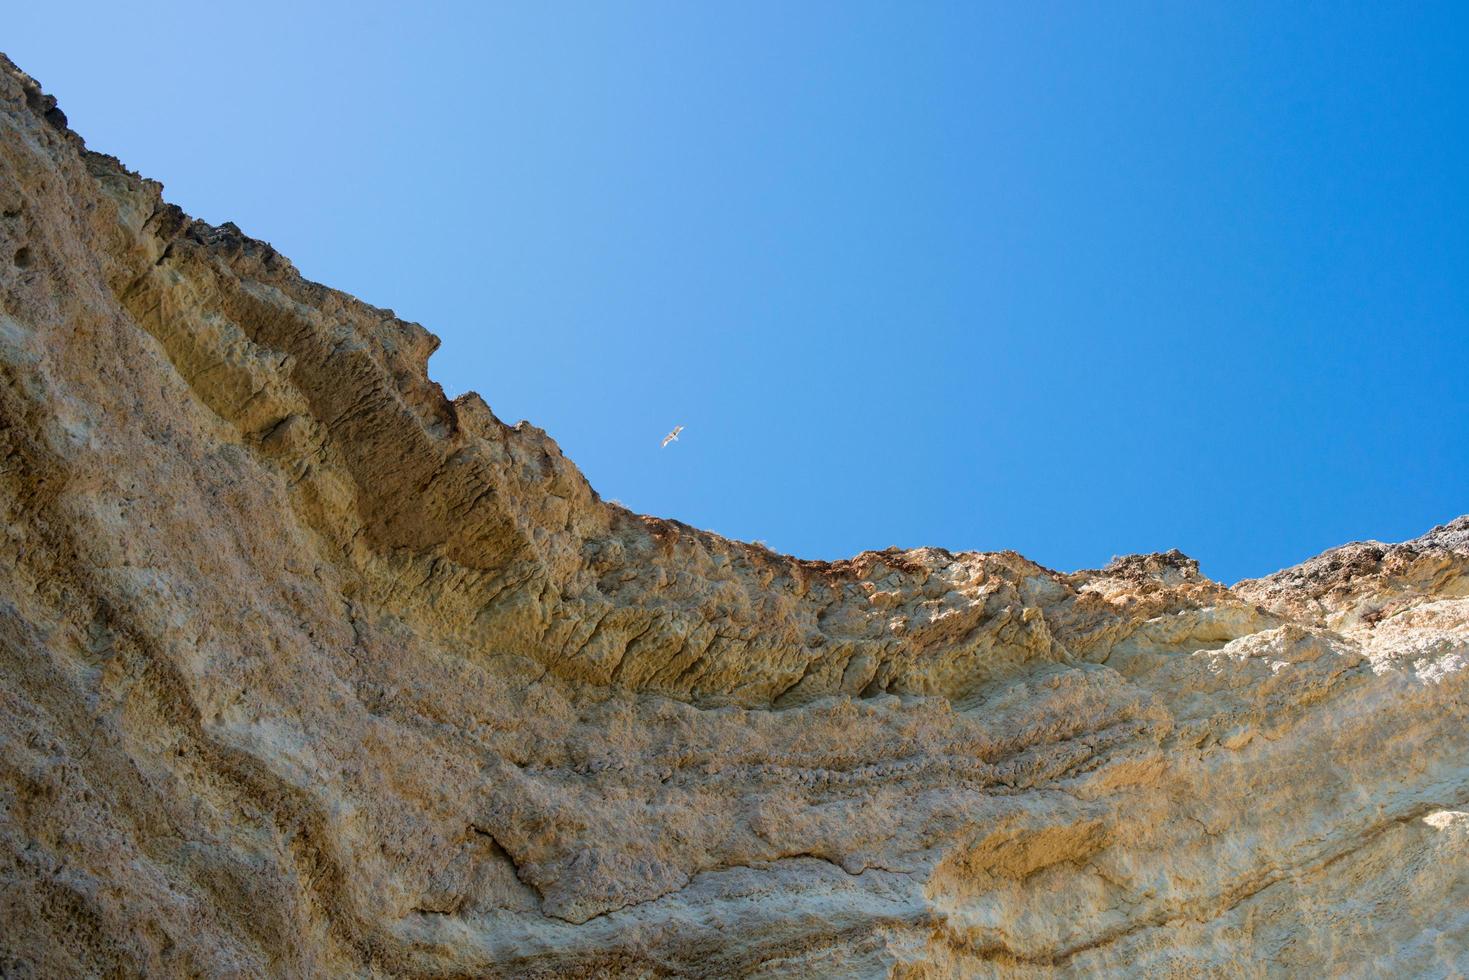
[[307, 670]]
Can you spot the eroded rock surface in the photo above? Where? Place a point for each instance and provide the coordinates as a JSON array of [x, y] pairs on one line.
[[306, 670]]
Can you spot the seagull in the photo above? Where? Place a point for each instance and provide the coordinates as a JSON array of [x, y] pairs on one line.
[[671, 437]]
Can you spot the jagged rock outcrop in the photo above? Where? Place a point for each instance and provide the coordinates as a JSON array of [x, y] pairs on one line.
[[306, 670]]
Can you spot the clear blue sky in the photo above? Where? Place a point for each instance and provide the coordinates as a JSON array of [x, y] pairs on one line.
[[1074, 279]]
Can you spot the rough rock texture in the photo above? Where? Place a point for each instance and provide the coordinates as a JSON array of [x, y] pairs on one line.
[[306, 670]]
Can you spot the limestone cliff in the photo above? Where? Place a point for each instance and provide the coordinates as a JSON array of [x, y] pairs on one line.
[[306, 670]]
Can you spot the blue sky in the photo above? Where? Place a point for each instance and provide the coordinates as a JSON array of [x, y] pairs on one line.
[[1073, 279]]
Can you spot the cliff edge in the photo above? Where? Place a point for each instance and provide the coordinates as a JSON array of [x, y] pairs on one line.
[[307, 670]]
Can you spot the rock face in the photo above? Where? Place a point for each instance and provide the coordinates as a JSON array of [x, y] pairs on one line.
[[306, 670]]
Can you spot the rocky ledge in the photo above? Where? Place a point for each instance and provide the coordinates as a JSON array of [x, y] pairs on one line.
[[306, 670]]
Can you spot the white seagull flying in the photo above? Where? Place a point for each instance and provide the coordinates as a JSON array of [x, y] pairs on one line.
[[671, 437]]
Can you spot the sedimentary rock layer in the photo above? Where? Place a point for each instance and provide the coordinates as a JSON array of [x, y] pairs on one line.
[[308, 670]]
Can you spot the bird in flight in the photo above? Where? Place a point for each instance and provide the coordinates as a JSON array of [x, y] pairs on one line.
[[672, 436]]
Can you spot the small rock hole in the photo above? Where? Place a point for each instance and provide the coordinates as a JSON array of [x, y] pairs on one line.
[[23, 258]]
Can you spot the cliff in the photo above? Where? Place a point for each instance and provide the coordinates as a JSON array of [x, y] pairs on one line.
[[307, 670]]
